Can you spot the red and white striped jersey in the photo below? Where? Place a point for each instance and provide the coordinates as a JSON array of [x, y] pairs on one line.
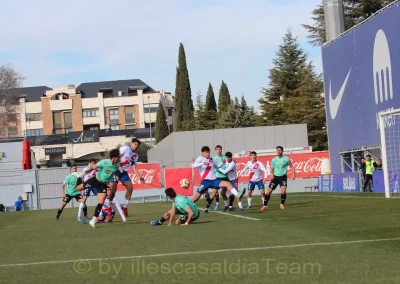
[[206, 171], [128, 158], [230, 170], [90, 174], [256, 170]]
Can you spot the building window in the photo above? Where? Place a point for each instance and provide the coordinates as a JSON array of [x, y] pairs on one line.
[[57, 123], [67, 122], [150, 108], [114, 119], [90, 113], [147, 125], [107, 93], [12, 129], [129, 114], [34, 132], [169, 111], [91, 127], [130, 126], [33, 117]]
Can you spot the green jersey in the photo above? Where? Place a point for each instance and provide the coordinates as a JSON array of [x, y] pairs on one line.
[[280, 165], [181, 202], [71, 180], [218, 160], [368, 167], [106, 170]]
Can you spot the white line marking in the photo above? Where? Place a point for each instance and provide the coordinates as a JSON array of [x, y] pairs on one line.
[[338, 196], [237, 216], [200, 252]]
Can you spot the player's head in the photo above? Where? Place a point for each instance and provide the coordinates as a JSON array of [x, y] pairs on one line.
[[114, 156], [74, 168], [228, 156], [279, 150], [368, 158], [205, 151], [170, 192], [135, 143], [93, 162], [218, 150], [253, 155]]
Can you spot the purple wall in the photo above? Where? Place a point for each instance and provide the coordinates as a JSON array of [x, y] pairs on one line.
[[365, 56]]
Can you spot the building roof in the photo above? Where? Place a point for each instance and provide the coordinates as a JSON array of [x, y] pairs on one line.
[[33, 94], [90, 90]]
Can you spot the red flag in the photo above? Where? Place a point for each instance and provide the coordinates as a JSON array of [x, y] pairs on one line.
[[173, 178], [26, 155]]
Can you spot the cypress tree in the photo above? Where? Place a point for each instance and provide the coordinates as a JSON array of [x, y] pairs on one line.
[[162, 130], [224, 99], [211, 104], [183, 95]]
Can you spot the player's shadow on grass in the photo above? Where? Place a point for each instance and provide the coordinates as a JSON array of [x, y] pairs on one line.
[[202, 222]]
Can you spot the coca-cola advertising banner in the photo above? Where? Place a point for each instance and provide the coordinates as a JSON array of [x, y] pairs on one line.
[[173, 178], [151, 174], [306, 165]]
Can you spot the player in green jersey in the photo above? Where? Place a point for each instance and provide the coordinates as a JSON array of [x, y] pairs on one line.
[[180, 205]]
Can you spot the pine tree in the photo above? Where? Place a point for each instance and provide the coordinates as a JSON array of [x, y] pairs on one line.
[[230, 118], [183, 94], [224, 99], [355, 12], [162, 130], [248, 115], [210, 99], [199, 122]]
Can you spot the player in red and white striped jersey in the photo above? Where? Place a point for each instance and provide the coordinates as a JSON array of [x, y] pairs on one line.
[[205, 165], [256, 177], [88, 173]]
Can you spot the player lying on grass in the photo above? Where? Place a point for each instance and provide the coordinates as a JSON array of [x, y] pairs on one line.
[[128, 159], [107, 169], [180, 205], [205, 165], [72, 180]]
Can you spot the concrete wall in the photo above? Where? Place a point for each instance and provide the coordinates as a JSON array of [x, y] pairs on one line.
[[180, 148], [13, 179]]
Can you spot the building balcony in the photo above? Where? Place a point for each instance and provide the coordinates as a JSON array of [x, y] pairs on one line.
[[58, 105]]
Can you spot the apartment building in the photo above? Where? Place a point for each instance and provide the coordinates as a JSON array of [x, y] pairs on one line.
[[106, 110]]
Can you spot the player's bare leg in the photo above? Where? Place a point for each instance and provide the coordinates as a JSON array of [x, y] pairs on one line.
[[170, 214], [100, 199], [197, 196], [128, 195], [82, 207], [223, 194], [283, 197], [228, 186]]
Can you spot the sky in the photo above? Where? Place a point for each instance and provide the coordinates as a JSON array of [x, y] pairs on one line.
[[55, 43]]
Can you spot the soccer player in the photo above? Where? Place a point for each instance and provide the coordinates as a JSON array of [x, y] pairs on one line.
[[230, 170], [87, 174], [279, 177], [128, 158], [205, 165], [219, 158], [256, 177], [71, 181], [103, 177], [180, 205]]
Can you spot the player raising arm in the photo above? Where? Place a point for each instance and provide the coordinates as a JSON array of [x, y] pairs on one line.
[[107, 169], [205, 165], [180, 205], [279, 176], [256, 177]]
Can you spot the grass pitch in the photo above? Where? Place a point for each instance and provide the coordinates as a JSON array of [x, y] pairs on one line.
[[318, 238]]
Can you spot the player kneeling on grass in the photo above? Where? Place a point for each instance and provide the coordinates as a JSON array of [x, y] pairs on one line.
[[107, 169], [180, 205]]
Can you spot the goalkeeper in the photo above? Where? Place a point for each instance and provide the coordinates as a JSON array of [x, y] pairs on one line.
[[180, 205]]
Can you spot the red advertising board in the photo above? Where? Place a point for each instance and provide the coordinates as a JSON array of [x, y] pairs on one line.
[[173, 178], [151, 174], [307, 165]]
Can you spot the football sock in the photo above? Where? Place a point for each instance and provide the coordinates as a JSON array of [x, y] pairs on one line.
[[283, 198], [209, 202], [121, 213], [249, 201], [126, 203], [235, 192], [85, 210], [240, 204], [266, 199], [80, 209], [59, 213], [226, 202], [231, 199], [217, 198], [97, 210], [162, 220], [107, 202]]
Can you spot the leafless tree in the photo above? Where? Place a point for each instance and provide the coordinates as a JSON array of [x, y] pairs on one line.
[[10, 81]]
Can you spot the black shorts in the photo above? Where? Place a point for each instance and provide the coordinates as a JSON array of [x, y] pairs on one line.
[[68, 197], [281, 181], [183, 219], [94, 183]]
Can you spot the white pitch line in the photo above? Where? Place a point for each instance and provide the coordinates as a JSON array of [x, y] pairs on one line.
[[338, 196], [237, 216], [200, 252]]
